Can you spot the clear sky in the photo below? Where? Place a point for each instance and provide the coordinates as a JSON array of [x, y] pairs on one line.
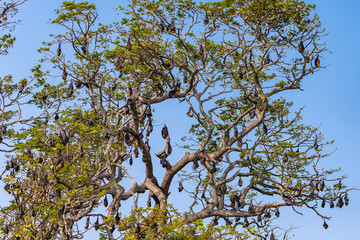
[[330, 97]]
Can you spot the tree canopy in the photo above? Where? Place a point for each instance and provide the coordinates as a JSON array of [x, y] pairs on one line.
[[83, 137]]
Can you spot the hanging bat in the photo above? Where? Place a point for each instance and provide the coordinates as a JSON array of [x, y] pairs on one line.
[[267, 59], [213, 168], [164, 132], [301, 47], [201, 50], [168, 148], [236, 56], [70, 90], [162, 26], [180, 187], [226, 136], [64, 74], [325, 225], [298, 18], [236, 133], [264, 129], [195, 164], [105, 201], [206, 19], [317, 61], [56, 117], [96, 224], [246, 223], [129, 44], [58, 52], [240, 74], [4, 16], [117, 218], [277, 213], [340, 202], [130, 92], [171, 27], [189, 113], [331, 204], [346, 200], [323, 203], [316, 145], [177, 87], [240, 182]]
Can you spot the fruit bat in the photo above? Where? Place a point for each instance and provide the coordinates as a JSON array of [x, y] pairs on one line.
[[162, 26], [96, 224], [137, 231], [4, 16], [201, 50], [339, 185], [325, 225], [189, 113], [180, 187], [331, 204], [147, 148], [267, 59], [168, 148], [301, 47], [240, 182], [70, 90], [246, 223], [259, 218], [298, 18], [136, 152], [226, 135], [267, 215], [317, 61], [126, 109], [316, 146], [117, 218], [264, 129], [112, 228], [236, 133], [171, 27], [206, 19], [277, 213], [236, 56], [216, 221], [239, 73], [164, 132], [129, 44], [106, 203], [63, 138], [131, 161], [64, 74], [340, 202], [195, 164], [130, 92], [323, 203], [78, 84], [322, 186], [58, 52], [213, 168], [163, 162], [239, 143], [87, 223], [56, 117], [346, 200], [186, 79], [252, 114], [177, 87]]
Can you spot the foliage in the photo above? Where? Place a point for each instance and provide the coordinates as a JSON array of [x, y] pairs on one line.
[[246, 154]]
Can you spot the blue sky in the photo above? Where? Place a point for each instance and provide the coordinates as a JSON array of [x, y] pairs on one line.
[[330, 97]]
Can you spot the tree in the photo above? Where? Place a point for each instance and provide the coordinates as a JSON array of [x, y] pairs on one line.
[[245, 156]]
